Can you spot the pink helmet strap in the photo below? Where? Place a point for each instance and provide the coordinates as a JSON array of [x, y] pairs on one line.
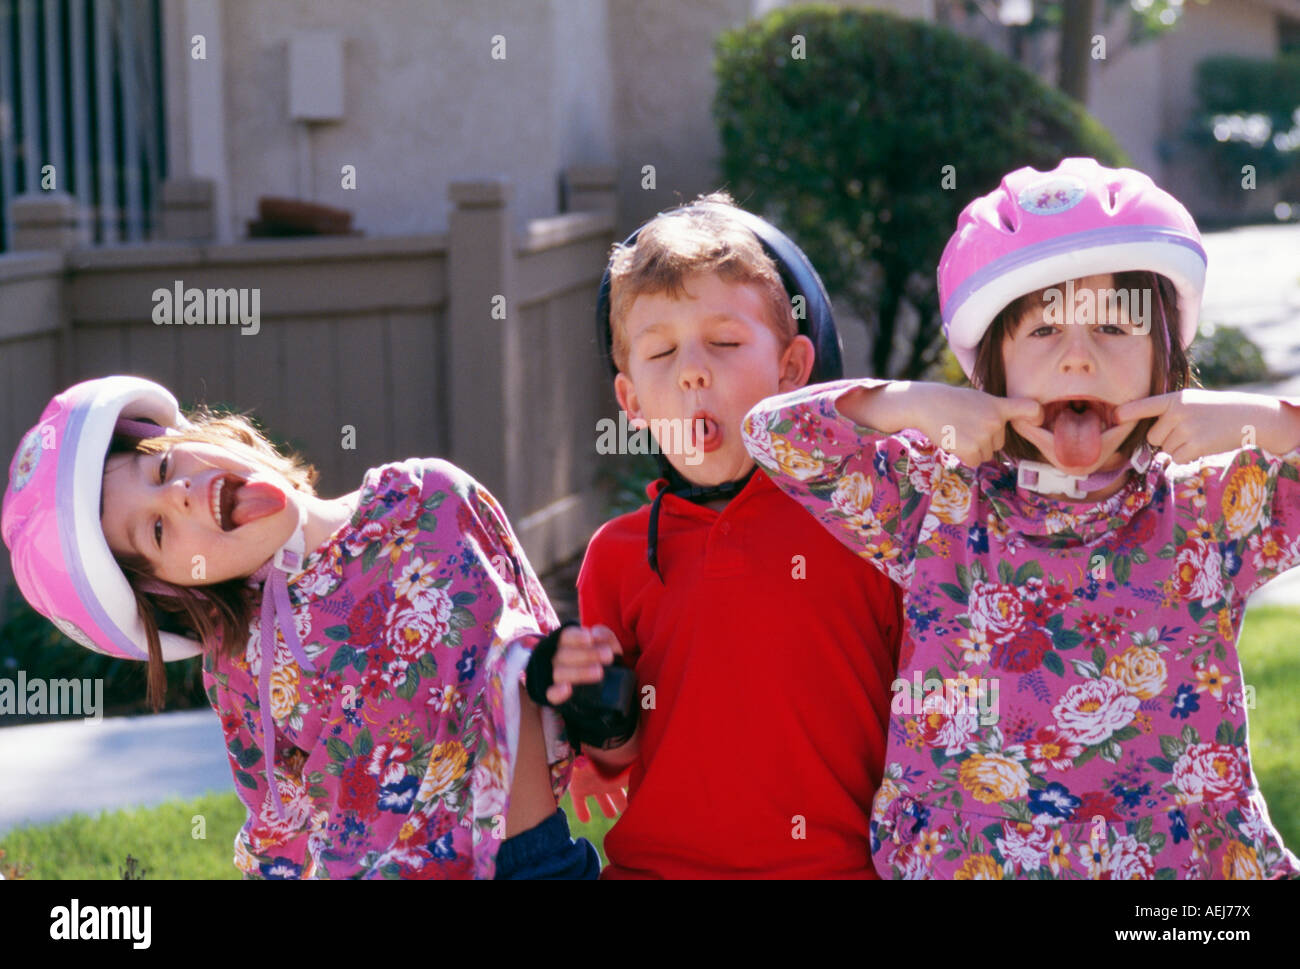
[[276, 609]]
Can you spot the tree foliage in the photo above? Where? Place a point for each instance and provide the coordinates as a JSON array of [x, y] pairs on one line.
[[849, 148]]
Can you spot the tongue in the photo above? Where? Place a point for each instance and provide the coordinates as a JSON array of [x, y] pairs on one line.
[[255, 500], [1078, 437]]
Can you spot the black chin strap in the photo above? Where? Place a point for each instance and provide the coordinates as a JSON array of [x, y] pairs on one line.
[[699, 494]]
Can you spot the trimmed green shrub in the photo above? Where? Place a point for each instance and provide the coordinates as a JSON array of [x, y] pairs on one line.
[[1228, 84], [839, 125], [1249, 115], [1224, 356], [30, 642]]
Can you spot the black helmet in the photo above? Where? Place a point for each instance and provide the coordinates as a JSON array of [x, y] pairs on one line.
[[797, 274]]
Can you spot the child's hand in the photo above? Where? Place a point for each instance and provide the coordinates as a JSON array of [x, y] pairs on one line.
[[563, 672], [970, 423], [582, 657], [1194, 423], [610, 793], [962, 421]]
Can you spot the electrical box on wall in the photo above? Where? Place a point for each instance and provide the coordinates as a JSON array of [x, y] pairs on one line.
[[316, 75]]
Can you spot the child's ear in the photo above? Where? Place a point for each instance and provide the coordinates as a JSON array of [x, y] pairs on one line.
[[796, 363], [625, 391]]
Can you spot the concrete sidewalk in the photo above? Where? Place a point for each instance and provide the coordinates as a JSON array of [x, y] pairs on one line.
[[49, 771]]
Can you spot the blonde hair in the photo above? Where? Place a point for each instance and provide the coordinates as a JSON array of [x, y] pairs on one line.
[[217, 615], [693, 239]]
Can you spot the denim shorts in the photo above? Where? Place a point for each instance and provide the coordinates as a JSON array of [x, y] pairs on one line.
[[547, 851]]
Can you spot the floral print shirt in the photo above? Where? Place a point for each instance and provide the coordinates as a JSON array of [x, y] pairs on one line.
[[1070, 703], [393, 760]]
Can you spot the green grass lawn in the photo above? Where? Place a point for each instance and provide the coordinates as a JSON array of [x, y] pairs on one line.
[[163, 838], [1270, 659]]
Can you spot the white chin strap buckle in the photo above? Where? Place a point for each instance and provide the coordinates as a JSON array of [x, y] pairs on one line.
[[1046, 480], [288, 559], [293, 553]]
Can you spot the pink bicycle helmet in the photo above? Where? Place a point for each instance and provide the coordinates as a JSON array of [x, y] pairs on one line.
[[51, 515], [61, 559], [1037, 229]]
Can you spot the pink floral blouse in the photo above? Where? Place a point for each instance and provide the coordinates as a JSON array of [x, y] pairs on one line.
[[393, 760], [1070, 703]]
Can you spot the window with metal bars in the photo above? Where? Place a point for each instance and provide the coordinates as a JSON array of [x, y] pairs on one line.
[[82, 111]]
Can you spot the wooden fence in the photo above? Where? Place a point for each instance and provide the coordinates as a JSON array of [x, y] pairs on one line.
[[476, 345]]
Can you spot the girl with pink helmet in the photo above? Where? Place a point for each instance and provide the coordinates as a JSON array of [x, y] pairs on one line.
[[385, 734], [1077, 537]]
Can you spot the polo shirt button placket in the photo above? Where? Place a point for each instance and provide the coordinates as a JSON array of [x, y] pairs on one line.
[[724, 557]]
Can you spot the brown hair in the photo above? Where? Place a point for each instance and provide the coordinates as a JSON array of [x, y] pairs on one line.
[[217, 615], [686, 240], [1170, 370]]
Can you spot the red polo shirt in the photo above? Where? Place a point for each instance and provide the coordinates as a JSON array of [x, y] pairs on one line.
[[771, 648]]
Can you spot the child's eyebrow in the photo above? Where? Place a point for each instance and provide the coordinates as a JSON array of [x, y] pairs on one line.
[[1024, 322], [648, 329], [133, 528], [722, 316]]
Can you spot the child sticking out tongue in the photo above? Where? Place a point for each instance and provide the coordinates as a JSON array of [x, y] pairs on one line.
[[254, 500], [1077, 432]]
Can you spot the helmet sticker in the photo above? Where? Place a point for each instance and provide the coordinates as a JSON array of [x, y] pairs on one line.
[[1052, 195], [73, 632], [29, 456]]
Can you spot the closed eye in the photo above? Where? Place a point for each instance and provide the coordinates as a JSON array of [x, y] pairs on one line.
[[671, 349]]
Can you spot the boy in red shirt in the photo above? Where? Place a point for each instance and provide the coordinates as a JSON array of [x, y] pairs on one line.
[[763, 650]]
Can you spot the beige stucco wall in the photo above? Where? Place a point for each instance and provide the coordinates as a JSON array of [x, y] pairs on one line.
[[1237, 28], [628, 82], [1125, 95], [663, 57], [1146, 96], [425, 104], [1248, 29]]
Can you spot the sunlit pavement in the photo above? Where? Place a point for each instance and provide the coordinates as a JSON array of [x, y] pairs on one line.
[[51, 770]]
